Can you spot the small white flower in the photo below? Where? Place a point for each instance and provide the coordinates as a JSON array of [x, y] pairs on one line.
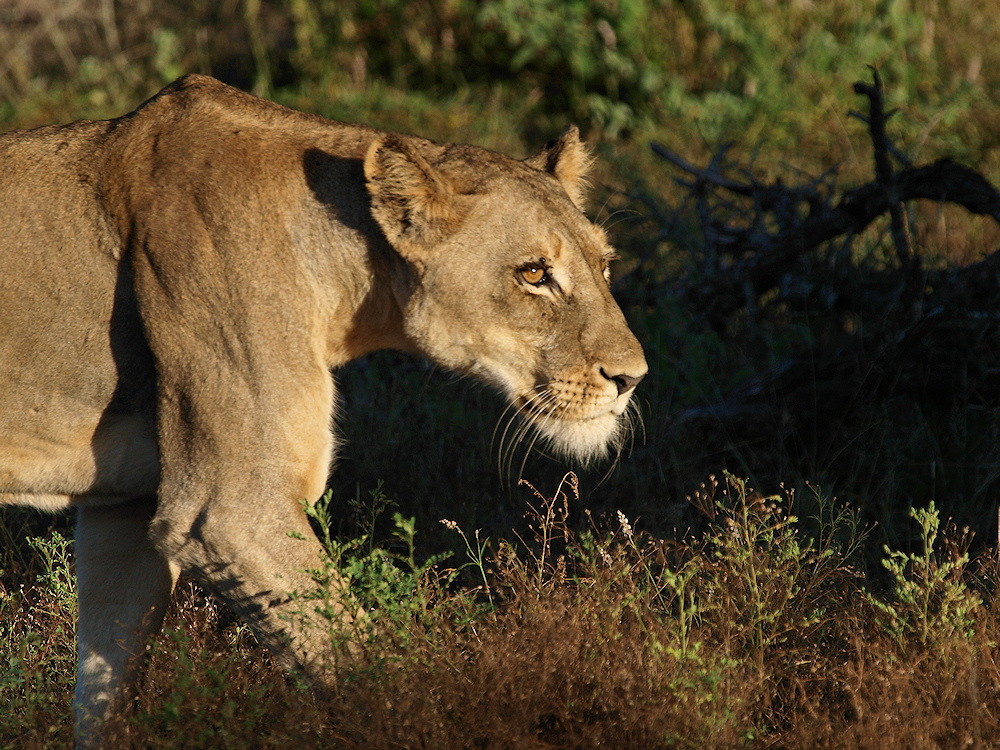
[[626, 526]]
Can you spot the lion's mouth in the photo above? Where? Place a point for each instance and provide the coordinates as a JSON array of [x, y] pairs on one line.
[[585, 432]]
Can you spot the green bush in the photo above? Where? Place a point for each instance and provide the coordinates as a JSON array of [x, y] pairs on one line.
[[587, 59], [773, 76]]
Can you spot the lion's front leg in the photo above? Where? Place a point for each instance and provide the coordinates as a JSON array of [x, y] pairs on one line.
[[236, 465], [237, 325]]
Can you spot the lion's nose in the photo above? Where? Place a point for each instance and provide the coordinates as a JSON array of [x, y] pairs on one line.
[[623, 382]]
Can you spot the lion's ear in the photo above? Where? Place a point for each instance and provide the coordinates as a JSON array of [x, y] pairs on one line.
[[568, 160], [412, 202]]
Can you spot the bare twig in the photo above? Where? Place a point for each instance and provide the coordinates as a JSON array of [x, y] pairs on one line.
[[768, 226], [769, 256], [876, 120], [705, 175], [880, 337]]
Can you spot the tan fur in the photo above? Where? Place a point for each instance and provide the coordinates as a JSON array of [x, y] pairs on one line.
[[568, 161], [176, 286]]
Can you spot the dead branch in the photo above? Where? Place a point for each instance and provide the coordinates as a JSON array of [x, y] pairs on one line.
[[931, 334], [877, 118]]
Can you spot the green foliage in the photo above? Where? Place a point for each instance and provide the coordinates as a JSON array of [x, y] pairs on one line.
[[754, 631], [57, 577], [37, 648], [387, 581], [728, 68], [476, 553], [197, 707], [755, 581], [590, 58], [772, 76], [756, 561], [932, 602], [585, 58]]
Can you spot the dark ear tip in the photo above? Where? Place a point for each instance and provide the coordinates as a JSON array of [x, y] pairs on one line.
[[394, 142], [384, 150], [386, 142]]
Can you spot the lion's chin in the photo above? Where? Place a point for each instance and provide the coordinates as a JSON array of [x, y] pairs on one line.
[[584, 440]]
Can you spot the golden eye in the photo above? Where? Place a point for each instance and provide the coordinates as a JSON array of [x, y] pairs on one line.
[[534, 273]]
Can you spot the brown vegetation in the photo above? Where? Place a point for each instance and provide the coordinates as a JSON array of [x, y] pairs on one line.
[[749, 634]]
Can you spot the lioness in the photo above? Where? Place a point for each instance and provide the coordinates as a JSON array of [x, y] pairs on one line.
[[176, 286]]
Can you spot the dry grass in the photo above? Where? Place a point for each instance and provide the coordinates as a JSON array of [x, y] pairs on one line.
[[750, 635]]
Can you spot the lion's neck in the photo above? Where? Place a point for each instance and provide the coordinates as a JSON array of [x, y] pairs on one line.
[[368, 317]]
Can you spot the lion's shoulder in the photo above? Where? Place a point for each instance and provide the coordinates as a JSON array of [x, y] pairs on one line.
[[206, 98]]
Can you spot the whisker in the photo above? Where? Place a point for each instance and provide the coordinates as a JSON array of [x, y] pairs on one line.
[[638, 418], [604, 205], [511, 454], [537, 402], [549, 406], [511, 407], [511, 448], [610, 471], [533, 425], [552, 416], [500, 446], [607, 226], [534, 439]]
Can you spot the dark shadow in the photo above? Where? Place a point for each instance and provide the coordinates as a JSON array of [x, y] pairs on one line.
[[133, 400], [339, 184], [136, 387]]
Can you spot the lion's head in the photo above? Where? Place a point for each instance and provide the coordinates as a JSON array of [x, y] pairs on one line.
[[504, 278]]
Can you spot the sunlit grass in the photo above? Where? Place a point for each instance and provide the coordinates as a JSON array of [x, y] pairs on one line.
[[751, 632]]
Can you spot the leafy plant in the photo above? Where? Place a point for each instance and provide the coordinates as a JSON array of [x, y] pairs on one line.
[[931, 599], [361, 574], [57, 576], [37, 648]]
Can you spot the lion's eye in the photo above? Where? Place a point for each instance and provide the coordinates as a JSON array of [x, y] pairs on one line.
[[534, 273]]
